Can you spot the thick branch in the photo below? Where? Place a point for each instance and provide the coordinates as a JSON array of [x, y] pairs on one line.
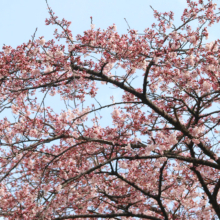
[[109, 216], [149, 103], [212, 199]]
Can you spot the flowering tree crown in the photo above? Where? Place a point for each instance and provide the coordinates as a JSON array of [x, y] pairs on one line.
[[159, 157]]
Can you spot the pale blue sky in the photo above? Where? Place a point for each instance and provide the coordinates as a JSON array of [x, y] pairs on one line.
[[18, 19]]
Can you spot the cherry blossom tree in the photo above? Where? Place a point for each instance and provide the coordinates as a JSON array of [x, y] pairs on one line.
[[159, 157]]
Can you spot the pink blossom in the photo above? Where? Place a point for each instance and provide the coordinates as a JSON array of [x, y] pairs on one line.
[[128, 147], [193, 40], [58, 188], [191, 60], [169, 25], [92, 26], [59, 53], [14, 109], [48, 69], [36, 71], [156, 59], [172, 139], [2, 192], [41, 41], [206, 86], [196, 141], [33, 133], [186, 74], [71, 47], [7, 50]]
